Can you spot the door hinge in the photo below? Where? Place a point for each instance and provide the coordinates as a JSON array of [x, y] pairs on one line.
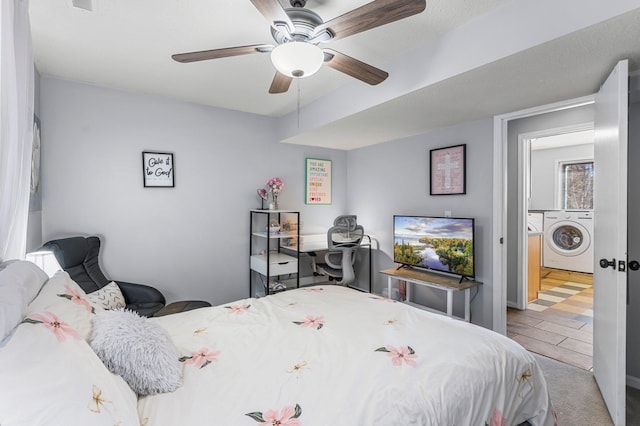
[[501, 240]]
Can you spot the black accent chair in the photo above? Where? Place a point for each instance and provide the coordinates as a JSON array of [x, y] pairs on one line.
[[78, 256]]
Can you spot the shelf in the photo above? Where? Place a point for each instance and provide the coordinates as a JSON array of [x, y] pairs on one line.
[[272, 211], [281, 234]]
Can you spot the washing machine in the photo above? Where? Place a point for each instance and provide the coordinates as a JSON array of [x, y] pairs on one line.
[[568, 240]]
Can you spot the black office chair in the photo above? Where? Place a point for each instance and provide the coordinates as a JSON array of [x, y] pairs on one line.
[[78, 256], [343, 241]]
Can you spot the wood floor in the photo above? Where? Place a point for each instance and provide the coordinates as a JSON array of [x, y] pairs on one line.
[[559, 324]]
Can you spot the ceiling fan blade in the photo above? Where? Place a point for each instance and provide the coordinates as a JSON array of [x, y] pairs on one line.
[[273, 12], [371, 15], [203, 55], [353, 67], [280, 83]]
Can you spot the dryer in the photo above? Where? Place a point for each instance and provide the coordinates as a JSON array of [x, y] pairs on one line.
[[568, 240], [535, 221]]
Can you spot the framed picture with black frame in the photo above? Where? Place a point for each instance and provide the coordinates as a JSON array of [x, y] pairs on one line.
[[158, 169], [448, 170]]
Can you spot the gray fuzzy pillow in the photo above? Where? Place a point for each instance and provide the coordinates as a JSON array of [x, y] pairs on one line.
[[138, 350]]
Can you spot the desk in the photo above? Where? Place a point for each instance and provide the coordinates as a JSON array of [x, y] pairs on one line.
[[309, 244], [430, 279]]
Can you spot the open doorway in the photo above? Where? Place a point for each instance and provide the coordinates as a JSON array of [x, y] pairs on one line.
[[553, 311]]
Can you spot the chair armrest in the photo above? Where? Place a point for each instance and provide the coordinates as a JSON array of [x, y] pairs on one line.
[[140, 293]]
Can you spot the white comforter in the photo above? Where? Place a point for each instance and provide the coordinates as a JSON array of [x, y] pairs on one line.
[[334, 356]]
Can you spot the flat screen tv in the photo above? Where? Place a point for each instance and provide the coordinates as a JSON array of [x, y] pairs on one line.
[[444, 244]]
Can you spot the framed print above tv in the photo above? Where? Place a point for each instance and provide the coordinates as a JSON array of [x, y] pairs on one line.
[[448, 170], [158, 169]]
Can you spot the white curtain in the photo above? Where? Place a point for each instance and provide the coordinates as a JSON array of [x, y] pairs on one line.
[[16, 126]]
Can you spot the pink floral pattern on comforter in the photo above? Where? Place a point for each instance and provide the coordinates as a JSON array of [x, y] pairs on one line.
[[288, 416], [200, 358], [59, 328], [347, 359]]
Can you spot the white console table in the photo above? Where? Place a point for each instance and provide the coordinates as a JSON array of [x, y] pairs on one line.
[[433, 280]]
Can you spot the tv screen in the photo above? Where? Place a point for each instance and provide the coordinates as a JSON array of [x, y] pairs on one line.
[[438, 243]]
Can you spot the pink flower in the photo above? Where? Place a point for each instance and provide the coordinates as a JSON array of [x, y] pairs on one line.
[[60, 328], [311, 321], [77, 298], [238, 309], [404, 353], [384, 299], [201, 358], [263, 193], [284, 418], [497, 419], [275, 184]]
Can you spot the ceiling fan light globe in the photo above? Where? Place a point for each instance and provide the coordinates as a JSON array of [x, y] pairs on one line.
[[297, 59]]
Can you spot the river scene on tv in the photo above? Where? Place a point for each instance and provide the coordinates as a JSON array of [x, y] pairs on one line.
[[444, 244]]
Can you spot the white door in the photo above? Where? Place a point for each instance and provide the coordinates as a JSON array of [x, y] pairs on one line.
[[610, 234]]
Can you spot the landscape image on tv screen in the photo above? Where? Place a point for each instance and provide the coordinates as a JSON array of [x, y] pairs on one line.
[[439, 243]]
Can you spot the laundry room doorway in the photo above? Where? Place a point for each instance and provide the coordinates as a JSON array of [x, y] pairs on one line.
[[557, 195], [552, 313]]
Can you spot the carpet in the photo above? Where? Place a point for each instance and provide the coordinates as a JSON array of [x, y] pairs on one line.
[[576, 397]]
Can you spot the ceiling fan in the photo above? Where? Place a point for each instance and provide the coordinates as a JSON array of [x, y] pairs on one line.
[[299, 31]]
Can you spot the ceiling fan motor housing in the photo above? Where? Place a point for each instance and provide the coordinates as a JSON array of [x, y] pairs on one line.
[[305, 22]]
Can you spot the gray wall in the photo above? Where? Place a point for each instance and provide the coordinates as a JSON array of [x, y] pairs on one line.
[[544, 172], [190, 241], [564, 118], [393, 178]]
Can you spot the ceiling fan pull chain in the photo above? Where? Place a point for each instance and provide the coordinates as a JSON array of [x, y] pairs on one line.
[[298, 83]]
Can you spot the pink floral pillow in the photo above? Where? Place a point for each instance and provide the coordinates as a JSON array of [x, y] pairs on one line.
[[64, 298], [51, 376]]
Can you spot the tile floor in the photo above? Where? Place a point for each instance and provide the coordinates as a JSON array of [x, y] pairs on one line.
[[559, 324]]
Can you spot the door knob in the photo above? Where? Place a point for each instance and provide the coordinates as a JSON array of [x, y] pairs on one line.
[[604, 263], [634, 265]]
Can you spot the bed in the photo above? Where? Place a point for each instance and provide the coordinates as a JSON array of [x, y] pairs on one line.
[[323, 355]]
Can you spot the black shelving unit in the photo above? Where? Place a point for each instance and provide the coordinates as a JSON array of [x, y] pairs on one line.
[[271, 270]]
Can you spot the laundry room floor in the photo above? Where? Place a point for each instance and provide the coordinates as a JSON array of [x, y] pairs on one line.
[[559, 324]]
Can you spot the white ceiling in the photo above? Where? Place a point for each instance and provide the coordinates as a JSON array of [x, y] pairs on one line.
[[127, 45]]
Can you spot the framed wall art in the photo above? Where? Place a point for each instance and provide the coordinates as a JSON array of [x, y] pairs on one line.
[[158, 169], [318, 181], [448, 170]]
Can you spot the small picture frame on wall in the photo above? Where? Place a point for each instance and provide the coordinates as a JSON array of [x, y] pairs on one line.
[[448, 170], [158, 169]]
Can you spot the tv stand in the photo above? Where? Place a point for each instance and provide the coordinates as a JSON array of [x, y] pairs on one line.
[[433, 280]]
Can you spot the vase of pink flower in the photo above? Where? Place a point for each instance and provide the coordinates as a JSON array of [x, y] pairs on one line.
[[274, 185]]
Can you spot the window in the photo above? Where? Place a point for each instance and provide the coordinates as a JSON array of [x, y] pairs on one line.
[[576, 185]]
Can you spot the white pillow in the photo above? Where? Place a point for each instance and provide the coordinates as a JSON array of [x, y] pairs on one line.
[[20, 282], [64, 297], [138, 350], [108, 297], [47, 380]]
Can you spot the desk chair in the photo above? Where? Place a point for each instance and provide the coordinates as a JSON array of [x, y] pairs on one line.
[[343, 240]]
